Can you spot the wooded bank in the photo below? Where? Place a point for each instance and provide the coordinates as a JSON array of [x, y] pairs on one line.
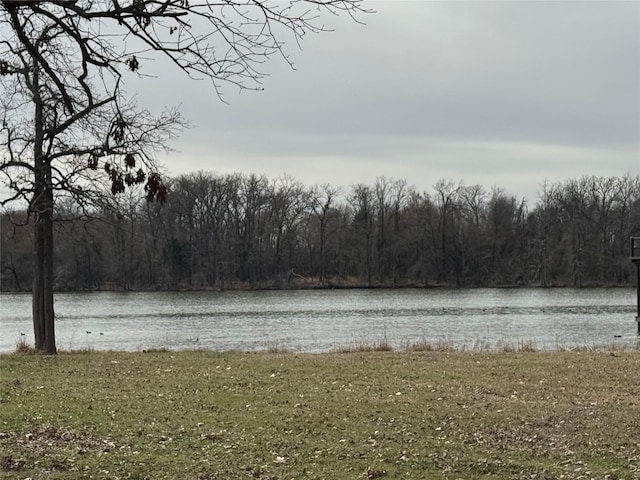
[[248, 231]]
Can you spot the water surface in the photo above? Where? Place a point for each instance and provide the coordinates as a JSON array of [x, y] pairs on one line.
[[321, 320]]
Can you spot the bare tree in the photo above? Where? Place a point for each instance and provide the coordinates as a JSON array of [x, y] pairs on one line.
[[67, 124], [447, 197], [362, 199], [323, 198]]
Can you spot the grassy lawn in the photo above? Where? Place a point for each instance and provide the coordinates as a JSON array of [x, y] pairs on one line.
[[430, 415]]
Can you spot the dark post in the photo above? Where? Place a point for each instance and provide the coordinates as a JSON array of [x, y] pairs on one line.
[[635, 258]]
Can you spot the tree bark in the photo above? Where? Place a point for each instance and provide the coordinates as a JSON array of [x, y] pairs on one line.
[[42, 208], [43, 313]]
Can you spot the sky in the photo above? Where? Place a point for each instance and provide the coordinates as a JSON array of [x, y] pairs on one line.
[[501, 93]]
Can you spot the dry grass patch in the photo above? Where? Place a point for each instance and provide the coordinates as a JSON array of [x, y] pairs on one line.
[[23, 347], [366, 347]]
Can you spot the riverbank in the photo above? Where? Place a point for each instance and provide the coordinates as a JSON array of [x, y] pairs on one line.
[[335, 284], [206, 415]]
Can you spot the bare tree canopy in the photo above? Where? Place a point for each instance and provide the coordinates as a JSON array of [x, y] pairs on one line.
[[79, 53], [67, 122]]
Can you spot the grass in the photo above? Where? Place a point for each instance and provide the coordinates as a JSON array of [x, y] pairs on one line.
[[365, 347], [23, 347], [375, 414]]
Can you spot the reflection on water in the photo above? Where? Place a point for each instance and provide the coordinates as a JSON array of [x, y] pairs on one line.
[[321, 320]]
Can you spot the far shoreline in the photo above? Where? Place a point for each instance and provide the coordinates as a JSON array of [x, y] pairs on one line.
[[284, 288]]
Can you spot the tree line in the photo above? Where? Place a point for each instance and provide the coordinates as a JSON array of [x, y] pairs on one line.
[[249, 231]]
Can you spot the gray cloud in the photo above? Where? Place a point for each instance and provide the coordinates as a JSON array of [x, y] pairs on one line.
[[507, 93]]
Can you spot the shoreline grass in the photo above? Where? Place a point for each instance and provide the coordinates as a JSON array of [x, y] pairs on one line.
[[382, 345], [434, 414]]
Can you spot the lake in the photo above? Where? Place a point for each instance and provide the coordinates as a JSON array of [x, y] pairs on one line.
[[322, 320]]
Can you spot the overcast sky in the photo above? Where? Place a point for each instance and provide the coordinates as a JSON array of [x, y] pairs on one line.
[[504, 93]]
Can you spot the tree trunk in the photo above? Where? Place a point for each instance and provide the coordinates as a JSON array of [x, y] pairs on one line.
[[323, 251], [43, 314], [42, 208]]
